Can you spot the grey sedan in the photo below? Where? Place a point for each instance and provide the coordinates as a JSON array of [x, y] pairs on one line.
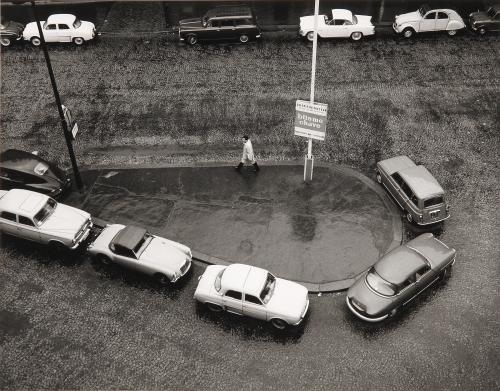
[[398, 277]]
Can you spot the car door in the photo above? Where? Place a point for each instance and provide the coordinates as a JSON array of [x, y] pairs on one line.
[[227, 30], [50, 33], [428, 22], [420, 281], [232, 302], [64, 32], [395, 183], [253, 306], [442, 21], [336, 29], [409, 199], [125, 257], [27, 228], [8, 223]]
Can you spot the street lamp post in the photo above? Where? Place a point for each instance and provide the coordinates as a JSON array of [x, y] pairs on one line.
[[67, 135]]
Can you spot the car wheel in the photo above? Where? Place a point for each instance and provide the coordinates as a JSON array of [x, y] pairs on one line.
[[409, 217], [192, 40], [356, 36], [57, 247], [5, 41], [79, 41], [379, 178], [451, 33], [482, 31], [310, 36], [393, 312], [408, 32], [214, 307], [35, 41], [244, 38], [103, 259], [445, 273], [280, 324], [162, 279]]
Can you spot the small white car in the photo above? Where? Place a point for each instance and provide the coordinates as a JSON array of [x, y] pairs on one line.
[[426, 20], [37, 217], [60, 28], [343, 24], [252, 291], [137, 249]]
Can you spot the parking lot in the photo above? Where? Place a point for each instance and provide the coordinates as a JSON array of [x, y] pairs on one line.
[[142, 99]]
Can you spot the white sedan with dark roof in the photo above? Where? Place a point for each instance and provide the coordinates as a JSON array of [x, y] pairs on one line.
[[252, 291]]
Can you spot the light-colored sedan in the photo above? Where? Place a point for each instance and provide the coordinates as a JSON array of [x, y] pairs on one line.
[[426, 19], [135, 248], [60, 28], [343, 24], [252, 291], [37, 217]]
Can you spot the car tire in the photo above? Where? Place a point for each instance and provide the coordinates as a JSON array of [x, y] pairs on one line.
[[356, 36], [451, 33], [310, 36], [78, 41], [244, 38], [162, 279], [57, 247], [379, 178], [409, 217], [36, 41], [482, 31], [103, 259], [214, 307], [408, 32], [279, 324], [192, 40], [5, 41]]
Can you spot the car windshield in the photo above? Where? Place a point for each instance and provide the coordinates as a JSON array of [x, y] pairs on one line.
[[491, 12], [143, 244], [268, 289], [438, 200], [379, 285], [424, 9], [44, 213], [77, 23], [218, 279]]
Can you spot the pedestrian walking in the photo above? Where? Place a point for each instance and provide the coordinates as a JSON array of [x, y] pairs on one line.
[[248, 155]]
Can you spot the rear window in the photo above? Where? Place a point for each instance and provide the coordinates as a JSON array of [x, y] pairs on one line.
[[379, 285], [433, 201]]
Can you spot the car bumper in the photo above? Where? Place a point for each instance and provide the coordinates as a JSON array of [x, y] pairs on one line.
[[303, 314], [83, 237], [432, 222], [396, 28], [362, 317], [184, 272]]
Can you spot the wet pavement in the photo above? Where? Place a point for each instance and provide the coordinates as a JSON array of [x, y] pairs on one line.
[[322, 234]]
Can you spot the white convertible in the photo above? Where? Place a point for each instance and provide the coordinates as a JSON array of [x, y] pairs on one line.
[[252, 291], [426, 20], [137, 249], [342, 24], [39, 218], [60, 28]]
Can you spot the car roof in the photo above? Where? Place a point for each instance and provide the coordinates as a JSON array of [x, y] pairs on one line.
[[20, 160], [399, 264], [230, 11], [431, 248], [61, 18], [244, 278], [129, 237], [25, 202], [342, 14], [395, 164], [421, 181]]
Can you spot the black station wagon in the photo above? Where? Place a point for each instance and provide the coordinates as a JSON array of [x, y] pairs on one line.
[[482, 22], [224, 23]]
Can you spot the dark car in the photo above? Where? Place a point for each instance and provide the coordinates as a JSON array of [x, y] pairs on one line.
[[224, 23], [398, 277], [10, 32], [24, 170], [482, 22]]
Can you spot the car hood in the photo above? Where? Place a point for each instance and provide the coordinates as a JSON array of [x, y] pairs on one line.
[[307, 22], [31, 29], [160, 253], [65, 221], [192, 22], [370, 303], [479, 17], [409, 17], [14, 28], [289, 298]]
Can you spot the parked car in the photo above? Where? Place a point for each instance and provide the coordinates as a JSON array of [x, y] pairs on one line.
[[342, 24], [398, 277], [224, 23], [414, 188], [38, 217], [137, 249], [60, 28], [426, 19], [482, 22], [24, 170], [252, 291], [10, 31]]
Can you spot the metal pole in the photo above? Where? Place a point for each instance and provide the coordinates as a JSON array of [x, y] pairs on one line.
[[67, 136]]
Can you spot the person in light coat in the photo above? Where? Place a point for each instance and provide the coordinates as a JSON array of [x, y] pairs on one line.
[[248, 155]]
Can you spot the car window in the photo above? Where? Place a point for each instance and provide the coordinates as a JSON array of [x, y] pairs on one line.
[[442, 15], [420, 272], [433, 201], [77, 23], [234, 295], [26, 221], [227, 23], [430, 15], [337, 22], [63, 27], [51, 27], [406, 189], [397, 178], [243, 22], [218, 279], [8, 216], [124, 252], [252, 299]]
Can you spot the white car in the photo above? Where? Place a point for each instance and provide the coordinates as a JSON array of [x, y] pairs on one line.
[[137, 249], [342, 24], [37, 217], [60, 28], [426, 19], [252, 291]]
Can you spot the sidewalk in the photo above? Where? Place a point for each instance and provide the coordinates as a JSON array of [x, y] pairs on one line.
[[323, 234]]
